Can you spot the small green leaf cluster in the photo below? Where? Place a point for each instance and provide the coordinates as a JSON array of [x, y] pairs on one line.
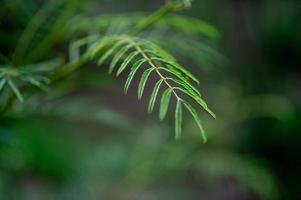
[[11, 77]]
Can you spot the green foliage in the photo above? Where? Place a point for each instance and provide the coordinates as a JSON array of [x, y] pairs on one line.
[[124, 50], [147, 56], [11, 78]]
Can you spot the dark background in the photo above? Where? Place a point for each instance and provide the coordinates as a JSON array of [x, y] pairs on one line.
[[93, 142]]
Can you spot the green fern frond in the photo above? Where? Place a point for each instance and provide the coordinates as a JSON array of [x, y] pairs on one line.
[[119, 53], [135, 53]]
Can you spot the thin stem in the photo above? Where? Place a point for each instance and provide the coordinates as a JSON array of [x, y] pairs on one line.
[[70, 68], [168, 8], [152, 19]]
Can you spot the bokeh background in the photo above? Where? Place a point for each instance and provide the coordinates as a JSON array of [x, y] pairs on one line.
[[86, 140]]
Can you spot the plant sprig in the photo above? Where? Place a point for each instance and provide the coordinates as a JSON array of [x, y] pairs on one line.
[[124, 52], [135, 53]]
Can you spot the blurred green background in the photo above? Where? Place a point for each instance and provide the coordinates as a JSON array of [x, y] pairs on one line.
[[86, 140]]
